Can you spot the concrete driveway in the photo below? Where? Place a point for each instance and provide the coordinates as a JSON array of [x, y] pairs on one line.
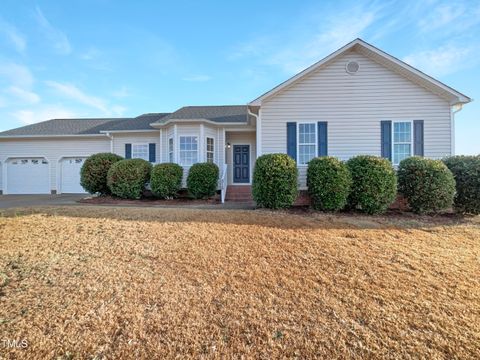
[[15, 201]]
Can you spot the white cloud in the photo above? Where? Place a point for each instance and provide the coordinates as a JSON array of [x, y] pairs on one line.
[[27, 117], [13, 36], [444, 60], [16, 74], [450, 18], [72, 92], [23, 95], [197, 78], [59, 39], [307, 43]]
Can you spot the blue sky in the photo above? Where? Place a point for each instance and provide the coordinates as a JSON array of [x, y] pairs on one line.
[[123, 58]]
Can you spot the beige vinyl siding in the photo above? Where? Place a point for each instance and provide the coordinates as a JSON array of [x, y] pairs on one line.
[[353, 106], [53, 149], [119, 141]]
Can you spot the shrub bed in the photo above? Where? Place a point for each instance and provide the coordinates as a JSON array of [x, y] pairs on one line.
[[93, 174], [275, 181], [166, 180], [374, 184], [427, 184], [329, 183], [202, 180], [127, 178], [466, 170]]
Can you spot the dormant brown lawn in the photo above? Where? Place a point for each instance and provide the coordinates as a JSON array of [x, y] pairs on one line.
[[92, 282]]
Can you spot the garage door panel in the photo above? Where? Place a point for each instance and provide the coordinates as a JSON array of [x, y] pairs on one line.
[[28, 176], [70, 175]]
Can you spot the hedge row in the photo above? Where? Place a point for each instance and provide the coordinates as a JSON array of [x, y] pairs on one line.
[[107, 174], [369, 183]]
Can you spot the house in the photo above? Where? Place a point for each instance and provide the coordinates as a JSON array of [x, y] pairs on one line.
[[358, 100]]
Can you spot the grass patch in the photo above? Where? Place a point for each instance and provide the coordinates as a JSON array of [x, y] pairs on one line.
[[93, 282]]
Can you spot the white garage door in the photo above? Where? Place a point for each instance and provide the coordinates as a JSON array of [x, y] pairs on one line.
[[28, 176], [70, 183]]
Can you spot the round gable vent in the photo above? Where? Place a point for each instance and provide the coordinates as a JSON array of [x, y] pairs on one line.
[[352, 67]]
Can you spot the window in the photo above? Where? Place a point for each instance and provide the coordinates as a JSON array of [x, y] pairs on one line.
[[188, 150], [307, 142], [210, 149], [170, 150], [140, 151], [402, 141]]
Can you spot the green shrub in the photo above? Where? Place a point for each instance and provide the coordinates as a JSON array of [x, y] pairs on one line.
[[127, 178], [93, 175], [427, 185], [166, 180], [275, 181], [466, 170], [329, 182], [202, 180], [374, 184]]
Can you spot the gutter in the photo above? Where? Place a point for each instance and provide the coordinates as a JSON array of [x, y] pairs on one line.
[[49, 136]]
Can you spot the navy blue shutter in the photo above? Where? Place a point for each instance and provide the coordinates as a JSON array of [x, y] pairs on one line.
[[152, 152], [292, 140], [322, 138], [418, 137], [128, 151], [386, 139]]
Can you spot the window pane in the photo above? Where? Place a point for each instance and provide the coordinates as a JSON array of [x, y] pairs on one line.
[[307, 153], [188, 150], [140, 151], [402, 132], [400, 152]]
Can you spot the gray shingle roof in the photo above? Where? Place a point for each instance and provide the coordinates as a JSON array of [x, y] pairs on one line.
[[65, 127], [219, 114], [141, 122], [85, 126]]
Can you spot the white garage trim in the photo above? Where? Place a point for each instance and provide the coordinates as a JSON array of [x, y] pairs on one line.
[[5, 169], [60, 175]]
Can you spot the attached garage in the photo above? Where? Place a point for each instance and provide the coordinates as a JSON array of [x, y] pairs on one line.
[[70, 175], [27, 176]]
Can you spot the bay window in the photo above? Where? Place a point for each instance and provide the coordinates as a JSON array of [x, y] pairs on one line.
[[188, 150], [170, 150], [210, 149]]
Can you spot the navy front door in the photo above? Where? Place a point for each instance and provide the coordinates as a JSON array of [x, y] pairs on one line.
[[241, 163]]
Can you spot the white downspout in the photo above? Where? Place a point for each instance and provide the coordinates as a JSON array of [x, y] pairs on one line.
[[110, 136], [258, 131], [455, 109]]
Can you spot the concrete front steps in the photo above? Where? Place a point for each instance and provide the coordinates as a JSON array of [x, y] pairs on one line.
[[239, 193]]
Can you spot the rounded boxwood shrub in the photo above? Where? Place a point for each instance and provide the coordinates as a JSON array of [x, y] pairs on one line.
[[329, 182], [202, 180], [466, 171], [127, 178], [374, 184], [427, 185], [275, 181], [166, 180], [93, 175]]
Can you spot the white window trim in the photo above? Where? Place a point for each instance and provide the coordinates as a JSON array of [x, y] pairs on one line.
[[206, 148], [401, 143], [298, 141], [173, 149], [179, 151], [142, 144]]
